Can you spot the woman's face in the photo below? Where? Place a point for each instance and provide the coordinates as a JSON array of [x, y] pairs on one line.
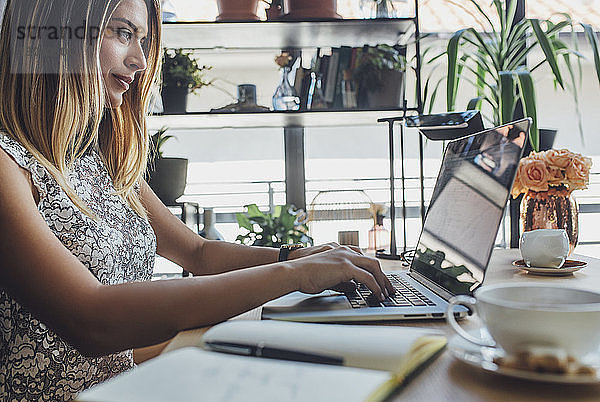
[[121, 50]]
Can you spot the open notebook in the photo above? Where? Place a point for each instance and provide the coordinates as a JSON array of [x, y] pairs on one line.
[[192, 374]]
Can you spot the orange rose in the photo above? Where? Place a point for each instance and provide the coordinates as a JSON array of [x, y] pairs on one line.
[[578, 172], [556, 176], [559, 158], [533, 174], [536, 155], [517, 187]]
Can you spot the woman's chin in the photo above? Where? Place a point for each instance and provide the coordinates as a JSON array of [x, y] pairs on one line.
[[114, 102]]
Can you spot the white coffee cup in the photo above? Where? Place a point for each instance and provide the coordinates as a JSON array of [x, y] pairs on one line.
[[522, 316], [546, 248]]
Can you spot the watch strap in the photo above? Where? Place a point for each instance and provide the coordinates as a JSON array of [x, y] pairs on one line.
[[286, 249]]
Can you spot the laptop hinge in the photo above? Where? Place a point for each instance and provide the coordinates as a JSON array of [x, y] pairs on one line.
[[423, 280]]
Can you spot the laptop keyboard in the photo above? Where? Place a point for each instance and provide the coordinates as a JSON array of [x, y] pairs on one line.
[[406, 295]]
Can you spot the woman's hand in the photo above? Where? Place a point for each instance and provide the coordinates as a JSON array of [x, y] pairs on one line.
[[332, 265], [303, 252]]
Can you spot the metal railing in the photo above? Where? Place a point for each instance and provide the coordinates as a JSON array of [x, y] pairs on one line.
[[268, 193], [232, 196]]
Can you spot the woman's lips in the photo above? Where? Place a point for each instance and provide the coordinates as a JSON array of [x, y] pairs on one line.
[[123, 81]]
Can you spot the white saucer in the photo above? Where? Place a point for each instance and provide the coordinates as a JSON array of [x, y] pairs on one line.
[[568, 268], [483, 357]]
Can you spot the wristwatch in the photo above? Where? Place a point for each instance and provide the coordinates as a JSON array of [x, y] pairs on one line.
[[286, 249]]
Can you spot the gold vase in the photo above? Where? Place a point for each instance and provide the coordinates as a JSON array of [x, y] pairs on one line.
[[552, 209]]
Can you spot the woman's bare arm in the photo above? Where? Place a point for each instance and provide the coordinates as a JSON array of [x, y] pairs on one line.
[[179, 244], [45, 277]]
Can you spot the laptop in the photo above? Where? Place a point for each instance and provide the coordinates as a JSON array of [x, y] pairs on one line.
[[455, 245]]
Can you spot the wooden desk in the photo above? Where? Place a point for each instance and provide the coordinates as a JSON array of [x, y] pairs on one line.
[[448, 379]]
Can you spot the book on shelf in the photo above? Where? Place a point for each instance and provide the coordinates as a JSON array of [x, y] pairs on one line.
[[324, 67], [353, 58], [304, 88], [367, 363], [331, 78], [332, 68], [344, 64], [298, 77]]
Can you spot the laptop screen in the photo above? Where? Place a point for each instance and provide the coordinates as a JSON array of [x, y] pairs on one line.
[[467, 205]]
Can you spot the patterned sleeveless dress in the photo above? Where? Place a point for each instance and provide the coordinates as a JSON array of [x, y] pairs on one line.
[[35, 363]]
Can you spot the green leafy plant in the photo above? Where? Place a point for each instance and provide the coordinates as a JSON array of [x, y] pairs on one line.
[[181, 70], [166, 176], [373, 61], [286, 225], [493, 62], [157, 141]]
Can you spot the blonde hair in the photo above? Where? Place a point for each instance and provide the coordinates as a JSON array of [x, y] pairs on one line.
[[54, 98]]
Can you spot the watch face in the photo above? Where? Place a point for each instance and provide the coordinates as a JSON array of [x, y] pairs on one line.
[[292, 246]]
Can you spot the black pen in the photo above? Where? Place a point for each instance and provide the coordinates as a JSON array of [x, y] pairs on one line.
[[272, 353]]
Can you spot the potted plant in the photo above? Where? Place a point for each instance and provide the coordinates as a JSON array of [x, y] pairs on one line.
[[237, 10], [379, 73], [307, 9], [286, 225], [181, 75], [496, 62], [167, 176]]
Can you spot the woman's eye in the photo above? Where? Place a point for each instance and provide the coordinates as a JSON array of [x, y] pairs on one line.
[[124, 34]]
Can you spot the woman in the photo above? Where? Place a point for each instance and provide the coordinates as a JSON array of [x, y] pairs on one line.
[[79, 227]]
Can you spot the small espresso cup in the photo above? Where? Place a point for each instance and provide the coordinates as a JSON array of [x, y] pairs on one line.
[[547, 248], [520, 316]]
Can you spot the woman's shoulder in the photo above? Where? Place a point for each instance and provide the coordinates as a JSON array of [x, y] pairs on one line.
[[15, 150], [12, 174], [17, 161]]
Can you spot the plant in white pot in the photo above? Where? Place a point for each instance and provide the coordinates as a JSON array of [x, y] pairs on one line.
[[167, 176], [499, 62]]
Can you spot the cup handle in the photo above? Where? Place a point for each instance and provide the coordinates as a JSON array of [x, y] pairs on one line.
[[469, 302]]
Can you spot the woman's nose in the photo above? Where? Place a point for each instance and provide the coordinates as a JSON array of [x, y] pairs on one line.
[[137, 59]]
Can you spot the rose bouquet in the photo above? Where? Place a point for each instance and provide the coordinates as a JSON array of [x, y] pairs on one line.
[[558, 169]]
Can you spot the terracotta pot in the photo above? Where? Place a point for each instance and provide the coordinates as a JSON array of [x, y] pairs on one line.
[[310, 9], [237, 10]]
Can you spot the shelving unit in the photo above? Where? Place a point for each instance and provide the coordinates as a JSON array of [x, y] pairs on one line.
[[272, 119], [290, 34], [213, 36]]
